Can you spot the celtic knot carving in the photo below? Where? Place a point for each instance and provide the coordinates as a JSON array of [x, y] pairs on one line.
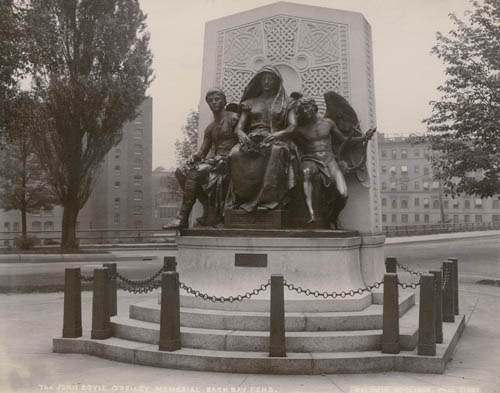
[[321, 40], [234, 82], [242, 44], [318, 80], [280, 33]]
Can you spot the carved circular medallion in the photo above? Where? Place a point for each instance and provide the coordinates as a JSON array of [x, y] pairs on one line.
[[302, 61]]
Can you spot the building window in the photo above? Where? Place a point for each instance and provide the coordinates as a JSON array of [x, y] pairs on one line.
[[36, 226], [116, 219], [138, 148], [117, 186], [479, 202], [467, 204], [384, 202], [117, 170], [118, 154], [384, 218], [117, 203], [466, 218], [417, 217], [416, 202], [48, 226], [426, 185], [426, 202], [426, 170], [445, 204], [478, 218], [496, 204], [404, 153], [384, 153], [435, 185], [6, 226], [495, 217], [393, 170], [384, 169], [16, 227], [138, 180], [416, 152], [394, 204], [138, 133], [34, 212], [426, 218], [427, 154], [445, 217], [393, 186], [404, 186], [137, 210], [138, 195], [416, 169], [435, 204], [455, 203], [455, 218], [417, 185], [393, 218], [404, 169], [138, 223], [404, 204], [404, 218], [48, 211], [384, 185], [394, 153]]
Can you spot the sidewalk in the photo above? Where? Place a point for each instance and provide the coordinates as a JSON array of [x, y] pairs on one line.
[[440, 236], [27, 364]]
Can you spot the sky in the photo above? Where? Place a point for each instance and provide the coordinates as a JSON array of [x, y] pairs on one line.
[[403, 33]]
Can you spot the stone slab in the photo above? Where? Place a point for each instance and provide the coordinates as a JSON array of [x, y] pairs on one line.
[[260, 219]]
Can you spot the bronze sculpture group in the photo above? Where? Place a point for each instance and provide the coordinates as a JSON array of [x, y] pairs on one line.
[[271, 150]]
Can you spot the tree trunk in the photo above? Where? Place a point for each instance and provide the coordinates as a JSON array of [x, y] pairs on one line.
[[70, 215], [24, 227]]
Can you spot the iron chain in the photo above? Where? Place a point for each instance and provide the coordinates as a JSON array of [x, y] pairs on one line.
[[223, 299], [86, 278], [405, 285], [151, 286], [333, 295], [407, 269], [138, 282]]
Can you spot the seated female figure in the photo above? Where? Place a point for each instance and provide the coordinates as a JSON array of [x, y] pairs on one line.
[[264, 165]]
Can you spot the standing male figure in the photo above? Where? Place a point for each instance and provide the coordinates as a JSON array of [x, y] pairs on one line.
[[314, 138], [205, 178]]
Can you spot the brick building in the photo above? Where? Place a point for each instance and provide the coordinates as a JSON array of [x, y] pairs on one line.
[[410, 196]]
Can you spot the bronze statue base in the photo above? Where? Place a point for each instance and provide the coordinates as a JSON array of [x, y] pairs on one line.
[[260, 219]]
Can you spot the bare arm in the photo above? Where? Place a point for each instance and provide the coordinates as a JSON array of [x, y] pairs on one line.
[[334, 130], [239, 130], [205, 145], [288, 131]]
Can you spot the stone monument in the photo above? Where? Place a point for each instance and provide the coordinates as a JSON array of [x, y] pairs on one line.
[[315, 50]]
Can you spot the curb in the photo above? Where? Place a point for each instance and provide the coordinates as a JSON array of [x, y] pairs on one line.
[[51, 258]]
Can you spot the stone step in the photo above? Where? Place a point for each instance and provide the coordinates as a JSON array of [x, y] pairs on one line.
[[368, 319], [260, 363], [258, 341]]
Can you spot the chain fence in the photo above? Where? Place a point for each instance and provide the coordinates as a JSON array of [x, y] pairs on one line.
[[223, 299], [333, 295], [408, 270]]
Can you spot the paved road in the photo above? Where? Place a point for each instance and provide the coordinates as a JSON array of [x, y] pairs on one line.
[[478, 257]]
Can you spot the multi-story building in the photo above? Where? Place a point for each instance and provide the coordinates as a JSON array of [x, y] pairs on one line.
[[167, 197], [121, 198], [410, 195]]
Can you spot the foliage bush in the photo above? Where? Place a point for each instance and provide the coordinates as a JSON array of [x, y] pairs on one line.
[[26, 242]]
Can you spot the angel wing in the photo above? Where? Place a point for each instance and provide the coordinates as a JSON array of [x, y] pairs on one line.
[[351, 157]]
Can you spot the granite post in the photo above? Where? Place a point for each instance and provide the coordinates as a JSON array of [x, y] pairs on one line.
[[72, 319], [101, 326], [391, 265], [426, 322], [438, 305], [455, 284], [169, 264], [390, 328], [170, 323], [448, 292], [113, 304], [277, 347]]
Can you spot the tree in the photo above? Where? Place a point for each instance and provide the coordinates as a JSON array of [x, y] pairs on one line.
[[464, 128], [12, 49], [189, 144], [91, 68], [22, 184]]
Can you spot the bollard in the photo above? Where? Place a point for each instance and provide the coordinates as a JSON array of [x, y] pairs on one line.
[[391, 265], [455, 284], [426, 323], [170, 313], [112, 288], [72, 319], [101, 326], [438, 305], [277, 347], [390, 324], [169, 264], [448, 292]]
